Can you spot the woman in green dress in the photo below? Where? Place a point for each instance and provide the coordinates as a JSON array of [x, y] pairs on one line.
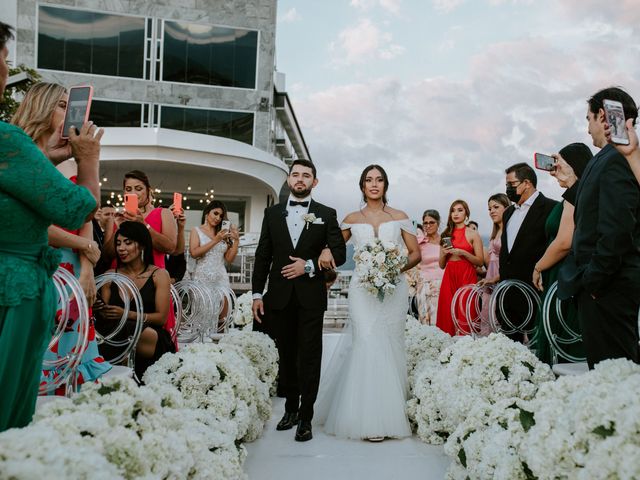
[[559, 229], [33, 195]]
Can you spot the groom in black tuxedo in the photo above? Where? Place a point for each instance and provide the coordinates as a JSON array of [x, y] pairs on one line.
[[602, 271], [292, 238]]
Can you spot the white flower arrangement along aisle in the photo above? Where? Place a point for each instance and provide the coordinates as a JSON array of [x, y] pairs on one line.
[[189, 421], [502, 414]]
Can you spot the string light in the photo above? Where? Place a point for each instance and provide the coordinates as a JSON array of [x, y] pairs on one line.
[[104, 179], [189, 187]]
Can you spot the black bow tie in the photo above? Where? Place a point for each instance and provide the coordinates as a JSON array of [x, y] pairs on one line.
[[293, 204]]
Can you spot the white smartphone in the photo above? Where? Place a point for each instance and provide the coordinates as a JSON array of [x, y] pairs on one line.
[[226, 225], [615, 118]]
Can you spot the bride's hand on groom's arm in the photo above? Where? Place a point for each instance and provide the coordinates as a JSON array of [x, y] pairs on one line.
[[326, 260], [295, 269]]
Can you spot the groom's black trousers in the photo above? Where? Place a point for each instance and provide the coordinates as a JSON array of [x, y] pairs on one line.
[[298, 333]]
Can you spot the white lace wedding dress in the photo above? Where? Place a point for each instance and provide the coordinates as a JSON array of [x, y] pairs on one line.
[[363, 390]]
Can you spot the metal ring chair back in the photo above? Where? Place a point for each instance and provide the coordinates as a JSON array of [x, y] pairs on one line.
[[467, 299], [128, 291], [70, 297], [508, 325], [554, 325]]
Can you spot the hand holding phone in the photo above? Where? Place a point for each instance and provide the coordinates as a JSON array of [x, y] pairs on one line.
[[78, 108], [544, 162], [131, 203], [177, 203], [614, 113], [446, 242], [226, 225]]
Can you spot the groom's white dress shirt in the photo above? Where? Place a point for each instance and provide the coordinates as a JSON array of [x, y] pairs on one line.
[[295, 223]]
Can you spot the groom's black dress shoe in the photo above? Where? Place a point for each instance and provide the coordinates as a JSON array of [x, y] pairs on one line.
[[303, 433], [288, 421]]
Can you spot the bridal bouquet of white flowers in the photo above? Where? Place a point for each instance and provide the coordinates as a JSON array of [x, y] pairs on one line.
[[378, 265]]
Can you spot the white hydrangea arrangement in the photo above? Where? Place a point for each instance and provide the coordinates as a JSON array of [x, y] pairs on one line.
[[260, 350], [468, 373], [243, 314], [503, 415], [174, 427], [587, 426]]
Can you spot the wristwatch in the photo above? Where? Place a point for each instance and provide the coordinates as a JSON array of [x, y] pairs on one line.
[[308, 266]]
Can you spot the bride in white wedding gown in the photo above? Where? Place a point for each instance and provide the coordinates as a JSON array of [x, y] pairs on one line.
[[363, 390]]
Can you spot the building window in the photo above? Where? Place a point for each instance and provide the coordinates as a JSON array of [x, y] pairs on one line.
[[209, 55], [234, 125], [116, 114], [90, 42]]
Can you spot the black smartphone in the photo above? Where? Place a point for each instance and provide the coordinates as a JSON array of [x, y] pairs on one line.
[[78, 107]]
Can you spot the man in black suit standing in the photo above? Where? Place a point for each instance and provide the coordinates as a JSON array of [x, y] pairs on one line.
[[523, 236], [602, 271], [292, 238]]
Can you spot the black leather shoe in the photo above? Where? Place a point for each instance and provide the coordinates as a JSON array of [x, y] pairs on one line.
[[303, 433], [288, 421]]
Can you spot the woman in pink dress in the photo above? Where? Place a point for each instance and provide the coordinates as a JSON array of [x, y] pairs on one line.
[[497, 205], [428, 289], [459, 258]]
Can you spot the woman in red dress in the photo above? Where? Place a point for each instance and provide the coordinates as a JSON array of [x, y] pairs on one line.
[[459, 258]]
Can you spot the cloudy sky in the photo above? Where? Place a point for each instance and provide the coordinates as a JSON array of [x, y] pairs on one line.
[[447, 93]]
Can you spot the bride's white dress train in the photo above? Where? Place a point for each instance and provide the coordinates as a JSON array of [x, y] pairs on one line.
[[363, 390]]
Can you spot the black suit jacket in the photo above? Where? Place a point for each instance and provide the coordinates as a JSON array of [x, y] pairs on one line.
[[530, 243], [606, 242], [275, 247]]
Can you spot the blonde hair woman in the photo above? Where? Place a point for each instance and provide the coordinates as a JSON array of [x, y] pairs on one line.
[[41, 115]]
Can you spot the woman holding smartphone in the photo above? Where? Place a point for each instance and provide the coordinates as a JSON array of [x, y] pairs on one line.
[[40, 115], [212, 244], [460, 254], [159, 221], [559, 229]]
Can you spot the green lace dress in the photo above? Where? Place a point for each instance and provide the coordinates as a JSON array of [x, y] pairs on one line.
[[33, 195], [569, 313]]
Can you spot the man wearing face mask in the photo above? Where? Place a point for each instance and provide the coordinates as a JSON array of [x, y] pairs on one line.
[[523, 237]]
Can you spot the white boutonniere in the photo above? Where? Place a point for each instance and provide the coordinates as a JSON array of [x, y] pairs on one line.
[[308, 218]]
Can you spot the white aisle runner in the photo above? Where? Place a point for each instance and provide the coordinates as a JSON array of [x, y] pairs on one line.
[[276, 455]]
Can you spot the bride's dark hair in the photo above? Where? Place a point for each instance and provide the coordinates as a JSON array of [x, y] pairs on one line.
[[385, 179]]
